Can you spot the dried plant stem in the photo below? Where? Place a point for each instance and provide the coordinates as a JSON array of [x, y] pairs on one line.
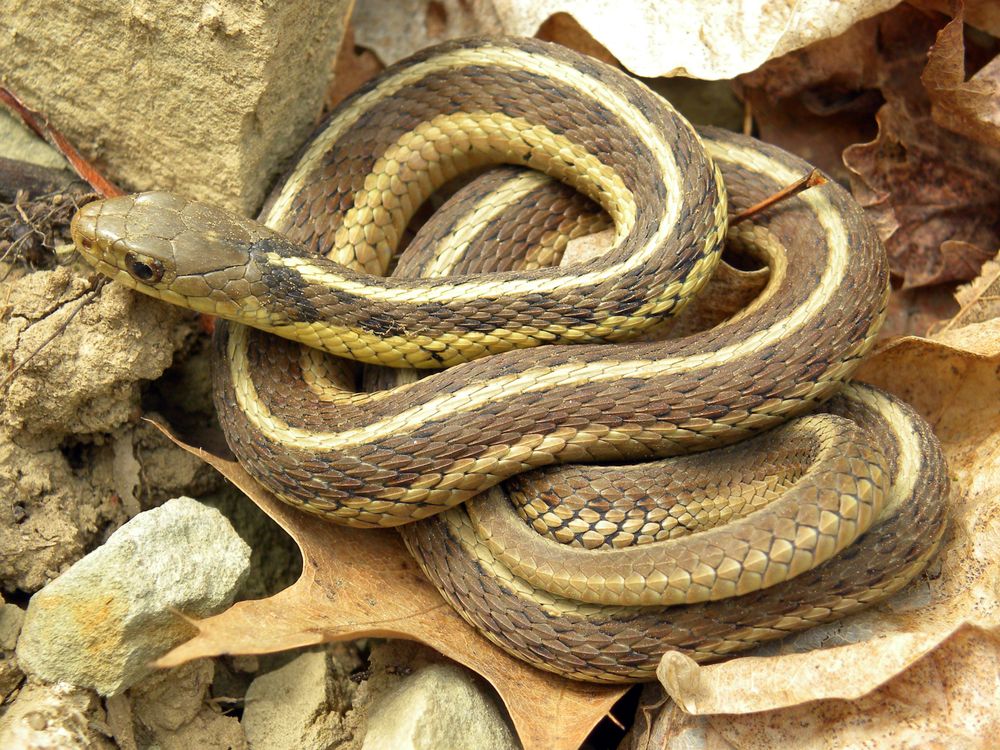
[[813, 179]]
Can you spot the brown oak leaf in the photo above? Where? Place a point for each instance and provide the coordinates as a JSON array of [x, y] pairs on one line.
[[819, 100], [359, 583], [926, 189], [353, 67], [856, 106], [970, 108]]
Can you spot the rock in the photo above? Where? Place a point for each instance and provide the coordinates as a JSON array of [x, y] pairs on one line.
[[168, 711], [204, 97], [301, 705], [89, 380], [276, 562], [438, 706], [54, 717], [100, 623], [171, 698], [11, 619]]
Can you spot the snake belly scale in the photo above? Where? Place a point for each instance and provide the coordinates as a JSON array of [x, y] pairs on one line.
[[312, 273]]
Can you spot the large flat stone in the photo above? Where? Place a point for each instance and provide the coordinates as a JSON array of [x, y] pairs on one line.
[[204, 97]]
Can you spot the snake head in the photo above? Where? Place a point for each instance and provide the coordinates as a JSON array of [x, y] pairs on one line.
[[187, 253]]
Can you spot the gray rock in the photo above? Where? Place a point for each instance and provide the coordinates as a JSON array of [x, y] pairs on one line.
[[11, 620], [300, 705], [19, 143], [439, 706], [105, 619], [168, 711]]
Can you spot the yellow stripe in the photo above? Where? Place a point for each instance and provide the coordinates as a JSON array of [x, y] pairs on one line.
[[908, 460], [442, 148]]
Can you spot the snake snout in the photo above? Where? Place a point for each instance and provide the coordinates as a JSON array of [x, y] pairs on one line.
[[83, 227]]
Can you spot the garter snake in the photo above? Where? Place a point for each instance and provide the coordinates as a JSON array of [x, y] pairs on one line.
[[312, 272]]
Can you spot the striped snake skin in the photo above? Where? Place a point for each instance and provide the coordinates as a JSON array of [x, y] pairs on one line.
[[732, 546]]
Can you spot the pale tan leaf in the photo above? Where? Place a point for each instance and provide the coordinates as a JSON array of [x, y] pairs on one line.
[[979, 299], [946, 700]]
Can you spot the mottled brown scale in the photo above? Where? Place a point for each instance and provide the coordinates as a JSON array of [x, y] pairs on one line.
[[594, 506]]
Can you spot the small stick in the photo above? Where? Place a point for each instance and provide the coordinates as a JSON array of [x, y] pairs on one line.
[[41, 126], [813, 179], [84, 301]]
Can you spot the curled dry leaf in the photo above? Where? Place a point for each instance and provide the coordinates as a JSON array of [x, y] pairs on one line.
[[945, 700], [979, 300], [971, 108], [928, 191], [363, 583], [649, 37]]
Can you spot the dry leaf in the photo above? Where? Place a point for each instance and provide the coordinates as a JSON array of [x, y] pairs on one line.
[[363, 583], [980, 299], [353, 67], [925, 188], [649, 37], [916, 312], [819, 100], [945, 700], [970, 108], [929, 192], [981, 14]]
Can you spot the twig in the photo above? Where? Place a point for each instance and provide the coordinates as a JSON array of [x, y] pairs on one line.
[[84, 301], [813, 179], [44, 130]]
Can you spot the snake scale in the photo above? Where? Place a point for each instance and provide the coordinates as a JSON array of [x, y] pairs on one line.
[[592, 571]]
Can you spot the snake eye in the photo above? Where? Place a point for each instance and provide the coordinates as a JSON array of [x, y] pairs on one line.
[[147, 270]]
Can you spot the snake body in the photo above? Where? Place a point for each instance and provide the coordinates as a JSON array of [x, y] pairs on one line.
[[312, 273]]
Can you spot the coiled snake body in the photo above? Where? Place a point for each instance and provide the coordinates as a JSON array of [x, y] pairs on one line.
[[796, 499]]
